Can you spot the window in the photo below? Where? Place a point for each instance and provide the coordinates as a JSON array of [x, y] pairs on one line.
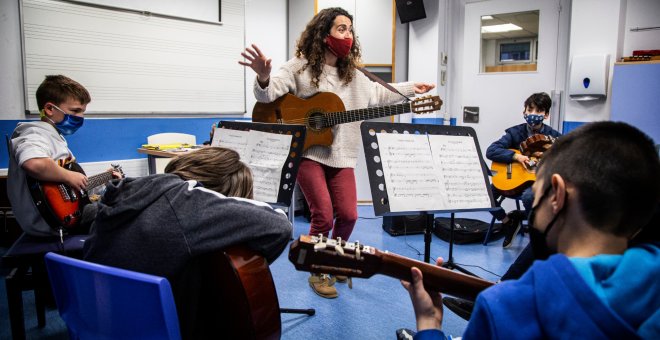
[[509, 42], [515, 52]]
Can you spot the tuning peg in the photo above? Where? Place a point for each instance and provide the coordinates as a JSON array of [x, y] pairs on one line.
[[320, 245], [338, 247], [357, 250]]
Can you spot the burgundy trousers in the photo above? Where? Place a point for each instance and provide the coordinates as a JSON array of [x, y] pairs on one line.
[[331, 196]]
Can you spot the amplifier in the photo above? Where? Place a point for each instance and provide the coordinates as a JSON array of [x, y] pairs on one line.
[[404, 225]]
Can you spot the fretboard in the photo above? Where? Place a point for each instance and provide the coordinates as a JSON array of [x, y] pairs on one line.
[[334, 118], [436, 278], [100, 179]]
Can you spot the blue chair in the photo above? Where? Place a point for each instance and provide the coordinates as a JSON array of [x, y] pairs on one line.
[[102, 302]]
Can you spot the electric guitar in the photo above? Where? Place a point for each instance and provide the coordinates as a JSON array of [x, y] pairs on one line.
[[60, 205], [320, 112], [319, 254], [513, 178]]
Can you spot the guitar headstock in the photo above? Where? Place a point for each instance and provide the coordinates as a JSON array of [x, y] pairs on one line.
[[318, 254], [117, 168], [426, 104]]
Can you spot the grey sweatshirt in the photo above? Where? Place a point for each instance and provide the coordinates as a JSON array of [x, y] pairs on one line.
[[156, 224]]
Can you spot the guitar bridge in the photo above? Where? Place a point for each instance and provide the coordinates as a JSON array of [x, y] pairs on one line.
[[278, 116]]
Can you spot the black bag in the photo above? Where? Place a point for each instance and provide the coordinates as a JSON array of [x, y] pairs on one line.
[[466, 230]]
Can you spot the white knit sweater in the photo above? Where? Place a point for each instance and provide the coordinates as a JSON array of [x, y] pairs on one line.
[[359, 94]]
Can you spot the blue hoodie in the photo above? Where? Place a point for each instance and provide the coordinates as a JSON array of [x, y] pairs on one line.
[[605, 296]]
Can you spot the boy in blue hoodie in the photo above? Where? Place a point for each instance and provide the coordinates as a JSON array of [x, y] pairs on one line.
[[595, 190]]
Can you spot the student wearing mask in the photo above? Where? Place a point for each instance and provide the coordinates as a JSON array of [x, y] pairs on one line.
[[39, 149], [596, 189], [326, 60]]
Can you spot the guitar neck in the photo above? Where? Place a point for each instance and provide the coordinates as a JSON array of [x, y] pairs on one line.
[[435, 278], [97, 180], [335, 118]]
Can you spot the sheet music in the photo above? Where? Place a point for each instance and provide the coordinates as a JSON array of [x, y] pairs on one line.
[[459, 172], [410, 175], [268, 153], [265, 153], [236, 140]]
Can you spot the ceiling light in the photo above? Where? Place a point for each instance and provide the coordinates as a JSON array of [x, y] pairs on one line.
[[500, 28], [487, 17]]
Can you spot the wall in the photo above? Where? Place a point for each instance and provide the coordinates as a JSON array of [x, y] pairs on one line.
[[642, 13], [427, 39], [590, 36], [117, 138], [265, 26]]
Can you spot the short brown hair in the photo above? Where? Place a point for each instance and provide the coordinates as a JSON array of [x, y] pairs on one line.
[[57, 89], [218, 169], [614, 167]]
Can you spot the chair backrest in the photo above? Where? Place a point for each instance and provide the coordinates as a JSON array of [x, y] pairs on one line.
[[169, 138], [102, 302]]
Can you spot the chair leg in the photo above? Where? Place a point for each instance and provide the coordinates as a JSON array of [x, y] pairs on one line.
[[490, 229], [13, 283], [309, 311], [41, 292], [492, 221]]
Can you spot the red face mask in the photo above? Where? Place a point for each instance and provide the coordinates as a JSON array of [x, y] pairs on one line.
[[339, 47]]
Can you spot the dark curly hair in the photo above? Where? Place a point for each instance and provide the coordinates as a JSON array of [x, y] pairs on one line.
[[311, 46]]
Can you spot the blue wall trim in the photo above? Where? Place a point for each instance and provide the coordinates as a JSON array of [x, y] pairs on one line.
[[103, 139], [569, 126], [430, 121]]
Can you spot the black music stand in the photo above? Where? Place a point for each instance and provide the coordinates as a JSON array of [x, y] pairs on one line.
[[377, 178], [289, 170]]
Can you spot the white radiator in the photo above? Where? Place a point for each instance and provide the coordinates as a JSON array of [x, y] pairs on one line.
[[131, 167]]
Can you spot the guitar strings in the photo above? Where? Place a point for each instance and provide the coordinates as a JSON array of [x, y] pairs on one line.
[[476, 266], [355, 115]]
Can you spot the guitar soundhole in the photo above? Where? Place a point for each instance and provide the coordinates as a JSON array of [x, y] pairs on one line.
[[316, 121]]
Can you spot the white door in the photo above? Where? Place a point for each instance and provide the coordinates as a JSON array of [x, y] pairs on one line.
[[500, 95]]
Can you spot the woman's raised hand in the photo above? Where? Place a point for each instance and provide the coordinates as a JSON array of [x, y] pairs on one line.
[[257, 62]]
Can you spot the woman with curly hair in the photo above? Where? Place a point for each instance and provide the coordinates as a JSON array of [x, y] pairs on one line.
[[326, 60]]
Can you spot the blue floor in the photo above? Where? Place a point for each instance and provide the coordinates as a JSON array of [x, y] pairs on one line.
[[373, 309]]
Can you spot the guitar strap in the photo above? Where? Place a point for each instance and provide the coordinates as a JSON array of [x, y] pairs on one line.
[[373, 77]]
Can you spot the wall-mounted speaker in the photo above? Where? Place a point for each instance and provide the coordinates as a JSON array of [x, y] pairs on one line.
[[410, 10], [404, 225]]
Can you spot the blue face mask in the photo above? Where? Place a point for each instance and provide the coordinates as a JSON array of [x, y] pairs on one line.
[[70, 124], [533, 119]]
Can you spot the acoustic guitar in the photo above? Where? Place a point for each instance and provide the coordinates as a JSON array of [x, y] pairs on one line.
[[247, 300], [60, 205], [513, 178], [536, 145], [320, 112], [319, 254]]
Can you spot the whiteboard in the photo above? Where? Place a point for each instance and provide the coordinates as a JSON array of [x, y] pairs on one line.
[[136, 63]]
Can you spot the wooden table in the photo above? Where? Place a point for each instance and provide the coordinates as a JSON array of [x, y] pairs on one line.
[[153, 154]]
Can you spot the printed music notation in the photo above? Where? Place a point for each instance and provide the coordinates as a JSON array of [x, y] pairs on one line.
[[432, 172], [265, 153]]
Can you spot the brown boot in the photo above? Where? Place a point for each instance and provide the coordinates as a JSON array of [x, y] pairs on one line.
[[323, 286], [343, 279]]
